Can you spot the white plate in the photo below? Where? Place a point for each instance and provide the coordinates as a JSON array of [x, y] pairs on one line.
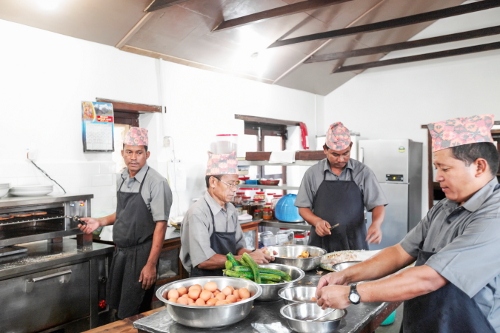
[[31, 190]]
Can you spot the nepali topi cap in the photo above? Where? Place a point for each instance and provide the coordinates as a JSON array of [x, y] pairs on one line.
[[461, 131], [222, 164], [136, 136], [338, 137]]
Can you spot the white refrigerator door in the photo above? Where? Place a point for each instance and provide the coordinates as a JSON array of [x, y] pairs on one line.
[[385, 157], [395, 225]]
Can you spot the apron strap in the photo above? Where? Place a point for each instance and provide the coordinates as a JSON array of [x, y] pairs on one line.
[[213, 219], [140, 187]]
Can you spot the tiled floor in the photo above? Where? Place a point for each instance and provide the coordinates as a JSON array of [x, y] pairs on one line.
[[394, 327]]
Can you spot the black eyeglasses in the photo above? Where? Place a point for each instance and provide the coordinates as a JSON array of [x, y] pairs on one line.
[[235, 185]]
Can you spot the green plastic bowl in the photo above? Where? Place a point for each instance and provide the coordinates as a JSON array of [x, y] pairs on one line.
[[390, 319]]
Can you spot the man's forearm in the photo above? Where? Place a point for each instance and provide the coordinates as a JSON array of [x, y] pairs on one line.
[[378, 214], [217, 261], [404, 285], [308, 215], [158, 239], [107, 220]]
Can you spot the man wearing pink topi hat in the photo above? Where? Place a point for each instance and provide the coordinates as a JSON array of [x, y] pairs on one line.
[[455, 283], [144, 199], [336, 191]]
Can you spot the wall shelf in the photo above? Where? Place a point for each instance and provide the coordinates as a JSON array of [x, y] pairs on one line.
[[296, 163], [269, 187]]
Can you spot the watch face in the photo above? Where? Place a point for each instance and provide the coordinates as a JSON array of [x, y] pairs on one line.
[[354, 298]]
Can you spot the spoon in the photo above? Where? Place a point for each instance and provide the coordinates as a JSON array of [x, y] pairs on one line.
[[321, 316]]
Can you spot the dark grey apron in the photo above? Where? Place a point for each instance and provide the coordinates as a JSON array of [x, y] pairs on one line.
[[340, 201], [446, 310], [221, 243], [132, 234]]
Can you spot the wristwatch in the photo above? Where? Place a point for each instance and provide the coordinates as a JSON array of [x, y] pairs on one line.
[[353, 294]]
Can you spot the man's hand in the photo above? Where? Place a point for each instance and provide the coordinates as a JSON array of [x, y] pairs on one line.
[[336, 297], [374, 234], [148, 276], [323, 228], [336, 278], [92, 225], [260, 257]]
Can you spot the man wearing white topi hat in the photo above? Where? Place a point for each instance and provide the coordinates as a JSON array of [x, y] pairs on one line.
[[455, 284], [144, 199], [210, 229]]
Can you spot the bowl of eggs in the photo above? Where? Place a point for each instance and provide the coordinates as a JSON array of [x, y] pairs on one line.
[[208, 302]]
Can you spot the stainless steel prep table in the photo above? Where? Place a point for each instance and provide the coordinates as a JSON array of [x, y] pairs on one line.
[[265, 317]]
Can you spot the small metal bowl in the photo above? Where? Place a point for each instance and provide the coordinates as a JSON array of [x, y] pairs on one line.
[[296, 315], [269, 181], [298, 294], [210, 316], [287, 255], [270, 291], [343, 265]]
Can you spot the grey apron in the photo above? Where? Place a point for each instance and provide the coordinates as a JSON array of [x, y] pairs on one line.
[[221, 243], [340, 201], [132, 234], [446, 310]]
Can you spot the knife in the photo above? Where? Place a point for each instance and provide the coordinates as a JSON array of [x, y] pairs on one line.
[[335, 226]]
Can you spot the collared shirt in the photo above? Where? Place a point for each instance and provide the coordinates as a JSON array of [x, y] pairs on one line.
[[197, 228], [363, 176], [466, 240], [155, 192]]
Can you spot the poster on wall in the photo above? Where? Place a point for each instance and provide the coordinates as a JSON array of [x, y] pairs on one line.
[[97, 126]]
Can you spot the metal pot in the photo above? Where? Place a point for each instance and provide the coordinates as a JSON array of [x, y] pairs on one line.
[[270, 291], [296, 316], [287, 255], [210, 316]]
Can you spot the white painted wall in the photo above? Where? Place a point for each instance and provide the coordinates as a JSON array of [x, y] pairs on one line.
[[394, 101], [45, 76]]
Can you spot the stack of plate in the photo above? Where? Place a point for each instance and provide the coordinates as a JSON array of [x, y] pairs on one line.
[[4, 189], [31, 190]]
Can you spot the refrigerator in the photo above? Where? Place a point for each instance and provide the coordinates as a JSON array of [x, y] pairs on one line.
[[397, 164]]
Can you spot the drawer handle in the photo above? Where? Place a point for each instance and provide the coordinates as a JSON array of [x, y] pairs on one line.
[[30, 283]]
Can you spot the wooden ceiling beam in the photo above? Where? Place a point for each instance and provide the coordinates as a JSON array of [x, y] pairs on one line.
[[160, 4], [130, 107], [394, 23], [406, 45], [420, 57], [298, 7]]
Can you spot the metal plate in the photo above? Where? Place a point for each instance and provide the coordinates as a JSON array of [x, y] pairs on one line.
[[330, 259]]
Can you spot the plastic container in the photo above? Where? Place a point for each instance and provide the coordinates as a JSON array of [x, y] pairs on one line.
[[286, 210], [259, 196], [300, 238], [267, 214], [258, 204], [243, 180], [243, 169], [285, 237], [247, 205], [224, 144], [390, 319], [268, 238], [239, 209], [238, 198]]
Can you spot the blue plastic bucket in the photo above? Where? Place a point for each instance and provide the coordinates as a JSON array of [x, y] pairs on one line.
[[390, 319]]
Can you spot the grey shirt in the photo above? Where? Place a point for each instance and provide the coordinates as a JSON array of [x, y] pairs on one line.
[[196, 229], [466, 240], [155, 191], [366, 180]]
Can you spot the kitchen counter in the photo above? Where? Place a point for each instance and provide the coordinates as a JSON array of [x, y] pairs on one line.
[[264, 317]]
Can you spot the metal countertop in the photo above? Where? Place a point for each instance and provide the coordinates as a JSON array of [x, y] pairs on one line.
[[265, 317]]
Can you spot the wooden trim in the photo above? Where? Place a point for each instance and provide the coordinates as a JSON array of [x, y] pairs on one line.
[[127, 118], [406, 45], [130, 107], [298, 7], [394, 23], [421, 57], [160, 4], [267, 120], [134, 30]]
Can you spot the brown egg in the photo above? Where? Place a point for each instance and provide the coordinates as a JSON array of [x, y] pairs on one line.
[[195, 286], [190, 301], [239, 299], [211, 286], [236, 293], [194, 293], [206, 295], [173, 300], [220, 296], [228, 290], [182, 291], [221, 303], [244, 293], [231, 299], [200, 302], [211, 301], [173, 293], [216, 292], [183, 300]]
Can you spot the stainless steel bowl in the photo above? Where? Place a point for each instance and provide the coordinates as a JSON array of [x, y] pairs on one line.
[[287, 255], [343, 265], [297, 294], [210, 316], [296, 315], [270, 291]]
